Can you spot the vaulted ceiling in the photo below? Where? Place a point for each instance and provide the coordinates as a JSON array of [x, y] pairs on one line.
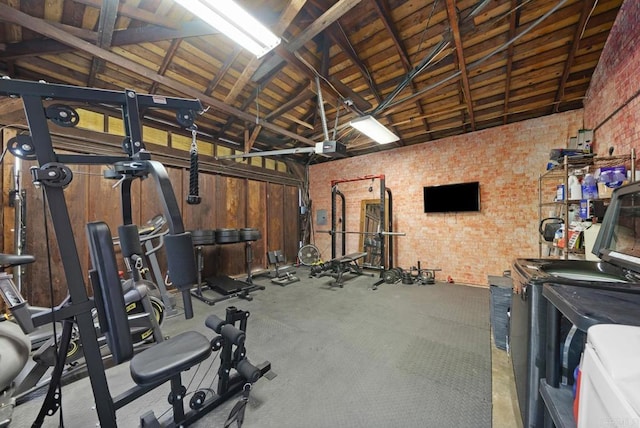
[[427, 69]]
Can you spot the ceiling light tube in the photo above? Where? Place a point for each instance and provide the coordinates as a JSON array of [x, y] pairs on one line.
[[234, 22], [373, 129]]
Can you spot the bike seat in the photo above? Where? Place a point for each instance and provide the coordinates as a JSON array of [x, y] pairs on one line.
[[10, 260]]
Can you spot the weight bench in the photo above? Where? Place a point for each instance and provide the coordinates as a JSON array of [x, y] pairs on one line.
[[165, 361], [337, 267], [283, 275]]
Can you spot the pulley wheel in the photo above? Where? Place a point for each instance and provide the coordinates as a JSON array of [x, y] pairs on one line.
[[22, 147], [62, 115]]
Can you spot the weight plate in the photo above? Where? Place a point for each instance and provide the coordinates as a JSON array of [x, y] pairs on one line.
[[227, 236], [203, 237], [249, 234], [389, 276]]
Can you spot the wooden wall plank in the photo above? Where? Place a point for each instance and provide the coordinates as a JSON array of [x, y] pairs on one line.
[[256, 218], [290, 223], [275, 216]]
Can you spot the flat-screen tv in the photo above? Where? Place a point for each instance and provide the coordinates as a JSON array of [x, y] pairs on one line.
[[447, 198]]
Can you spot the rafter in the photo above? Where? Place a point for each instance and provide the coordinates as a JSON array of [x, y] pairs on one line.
[[106, 26], [131, 36], [455, 29], [330, 16], [587, 6], [513, 23], [135, 13], [38, 25], [168, 57], [287, 16], [382, 8]]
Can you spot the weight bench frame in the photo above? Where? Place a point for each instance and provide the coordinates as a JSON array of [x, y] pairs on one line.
[[283, 275], [337, 267]]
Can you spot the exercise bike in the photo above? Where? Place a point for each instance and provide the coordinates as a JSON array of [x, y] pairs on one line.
[[15, 348], [145, 313]]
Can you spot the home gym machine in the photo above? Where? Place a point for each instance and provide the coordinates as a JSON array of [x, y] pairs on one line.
[[157, 365], [343, 263]]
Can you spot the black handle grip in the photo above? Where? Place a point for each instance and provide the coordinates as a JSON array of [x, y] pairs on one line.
[[248, 371], [214, 323]]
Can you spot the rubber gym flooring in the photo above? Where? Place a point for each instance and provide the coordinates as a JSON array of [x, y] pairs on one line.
[[400, 356]]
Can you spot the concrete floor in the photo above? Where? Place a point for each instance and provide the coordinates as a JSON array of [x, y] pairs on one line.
[[505, 412]]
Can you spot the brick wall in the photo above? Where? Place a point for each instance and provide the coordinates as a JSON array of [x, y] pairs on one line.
[[506, 161], [612, 106]]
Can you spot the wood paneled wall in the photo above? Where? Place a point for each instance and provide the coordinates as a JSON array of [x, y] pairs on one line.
[[227, 202]]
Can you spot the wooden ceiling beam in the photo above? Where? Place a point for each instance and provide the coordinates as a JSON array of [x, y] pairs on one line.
[[15, 16], [462, 65], [106, 26], [135, 13], [383, 10], [131, 36], [228, 62], [168, 57], [334, 13], [587, 6], [303, 95], [513, 22], [287, 16]]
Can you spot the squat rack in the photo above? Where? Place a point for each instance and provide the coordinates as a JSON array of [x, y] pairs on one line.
[[386, 226]]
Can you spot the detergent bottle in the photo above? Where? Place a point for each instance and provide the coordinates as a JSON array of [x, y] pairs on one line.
[[575, 189]]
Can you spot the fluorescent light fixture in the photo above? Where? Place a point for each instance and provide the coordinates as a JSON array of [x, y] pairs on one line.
[[373, 129], [234, 22]]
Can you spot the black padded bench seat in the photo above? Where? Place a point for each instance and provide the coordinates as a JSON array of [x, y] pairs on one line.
[[165, 359], [350, 257], [339, 266]]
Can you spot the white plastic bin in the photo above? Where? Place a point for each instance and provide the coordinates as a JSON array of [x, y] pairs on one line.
[[610, 380]]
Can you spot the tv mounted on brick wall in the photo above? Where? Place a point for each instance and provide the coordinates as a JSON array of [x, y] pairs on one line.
[[447, 198]]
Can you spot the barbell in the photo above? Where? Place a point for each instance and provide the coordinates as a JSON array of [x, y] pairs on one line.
[[334, 232]]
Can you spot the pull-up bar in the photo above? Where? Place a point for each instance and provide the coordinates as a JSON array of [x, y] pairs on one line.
[[366, 177], [333, 232]]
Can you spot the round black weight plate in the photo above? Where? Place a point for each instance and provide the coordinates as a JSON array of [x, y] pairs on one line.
[[249, 234], [407, 278], [203, 237], [227, 236], [389, 276]]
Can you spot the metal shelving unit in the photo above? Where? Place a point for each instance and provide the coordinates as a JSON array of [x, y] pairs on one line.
[[560, 175]]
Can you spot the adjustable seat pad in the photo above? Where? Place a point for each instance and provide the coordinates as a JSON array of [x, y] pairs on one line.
[[164, 360]]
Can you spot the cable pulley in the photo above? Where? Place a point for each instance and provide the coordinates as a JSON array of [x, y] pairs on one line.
[[185, 118], [62, 115], [52, 174], [22, 147]]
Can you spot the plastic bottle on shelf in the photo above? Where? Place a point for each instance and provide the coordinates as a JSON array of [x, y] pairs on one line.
[[575, 189], [589, 187]]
